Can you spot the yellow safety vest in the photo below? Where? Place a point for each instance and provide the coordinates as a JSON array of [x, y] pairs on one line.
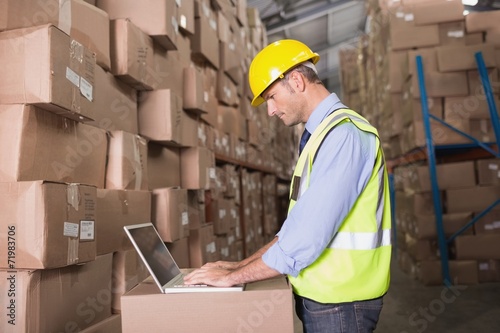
[[355, 264]]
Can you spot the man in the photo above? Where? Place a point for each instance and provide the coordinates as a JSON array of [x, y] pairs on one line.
[[335, 243]]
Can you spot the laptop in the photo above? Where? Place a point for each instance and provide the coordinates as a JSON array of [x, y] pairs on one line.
[[160, 263]]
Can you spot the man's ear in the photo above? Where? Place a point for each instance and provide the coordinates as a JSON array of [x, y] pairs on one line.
[[298, 80]]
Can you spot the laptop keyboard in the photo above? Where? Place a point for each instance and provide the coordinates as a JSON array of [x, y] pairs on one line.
[[178, 282]]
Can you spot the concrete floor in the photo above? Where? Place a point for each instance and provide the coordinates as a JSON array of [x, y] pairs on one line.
[[410, 307]]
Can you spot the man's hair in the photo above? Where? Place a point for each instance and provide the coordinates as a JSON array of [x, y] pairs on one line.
[[307, 70]]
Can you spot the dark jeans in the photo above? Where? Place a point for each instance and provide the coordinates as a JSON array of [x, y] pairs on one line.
[[353, 317]]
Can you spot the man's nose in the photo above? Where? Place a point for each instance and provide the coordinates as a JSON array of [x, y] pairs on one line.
[[271, 108]]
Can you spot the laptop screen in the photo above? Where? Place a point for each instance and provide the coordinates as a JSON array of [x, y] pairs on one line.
[[155, 252]]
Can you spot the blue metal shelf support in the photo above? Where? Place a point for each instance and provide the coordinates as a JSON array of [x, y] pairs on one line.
[[489, 94], [443, 244]]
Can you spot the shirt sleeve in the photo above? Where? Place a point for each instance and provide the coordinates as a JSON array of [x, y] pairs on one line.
[[340, 172]]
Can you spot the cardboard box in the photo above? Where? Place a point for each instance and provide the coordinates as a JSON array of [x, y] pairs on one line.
[[189, 130], [169, 213], [57, 229], [226, 92], [202, 246], [461, 272], [488, 224], [264, 306], [127, 165], [185, 16], [424, 226], [441, 134], [468, 107], [396, 63], [476, 88], [453, 33], [473, 199], [196, 208], [128, 271], [474, 38], [197, 168], [430, 12], [205, 41], [228, 120], [482, 21], [156, 18], [67, 88], [489, 270], [454, 58], [429, 60], [449, 176], [179, 249], [45, 146], [168, 70], [56, 300], [115, 103], [411, 109], [488, 171], [195, 97], [164, 166], [131, 55], [478, 247], [116, 209], [442, 84], [112, 324], [86, 24], [422, 36], [160, 116]]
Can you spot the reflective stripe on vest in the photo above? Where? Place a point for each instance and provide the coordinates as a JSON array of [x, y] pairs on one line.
[[355, 265]]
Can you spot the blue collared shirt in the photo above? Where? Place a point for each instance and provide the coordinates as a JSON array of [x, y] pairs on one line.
[[342, 168]]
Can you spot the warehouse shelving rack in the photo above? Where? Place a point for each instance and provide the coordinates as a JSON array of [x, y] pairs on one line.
[[476, 149]]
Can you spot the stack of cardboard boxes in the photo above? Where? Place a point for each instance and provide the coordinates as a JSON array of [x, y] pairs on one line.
[[113, 113], [447, 42]]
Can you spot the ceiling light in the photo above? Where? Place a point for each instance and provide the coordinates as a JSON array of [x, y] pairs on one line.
[[470, 2]]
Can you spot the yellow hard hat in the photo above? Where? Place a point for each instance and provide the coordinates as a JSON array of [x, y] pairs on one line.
[[275, 60]]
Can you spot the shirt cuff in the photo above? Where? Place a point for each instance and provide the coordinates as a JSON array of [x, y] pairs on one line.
[[275, 258]]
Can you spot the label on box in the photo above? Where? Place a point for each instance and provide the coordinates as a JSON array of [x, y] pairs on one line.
[[175, 24], [213, 24], [456, 34], [87, 230], [484, 266], [71, 229], [222, 213], [183, 21], [184, 218], [73, 77], [86, 89], [409, 17], [210, 248], [492, 166], [211, 173]]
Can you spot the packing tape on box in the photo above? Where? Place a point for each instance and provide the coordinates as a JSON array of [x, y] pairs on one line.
[[137, 165], [73, 244], [65, 16], [123, 196], [73, 196]]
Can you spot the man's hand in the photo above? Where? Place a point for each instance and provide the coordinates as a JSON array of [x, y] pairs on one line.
[[211, 275]]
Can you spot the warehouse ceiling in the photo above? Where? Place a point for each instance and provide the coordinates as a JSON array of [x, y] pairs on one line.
[[325, 25]]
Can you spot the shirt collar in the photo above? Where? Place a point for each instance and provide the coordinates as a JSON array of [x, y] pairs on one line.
[[323, 110]]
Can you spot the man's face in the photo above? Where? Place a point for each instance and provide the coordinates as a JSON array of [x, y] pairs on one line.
[[284, 102]]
